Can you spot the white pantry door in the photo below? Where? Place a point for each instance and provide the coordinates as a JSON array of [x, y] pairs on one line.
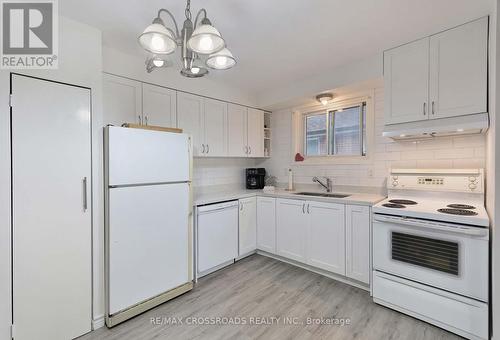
[[51, 228]]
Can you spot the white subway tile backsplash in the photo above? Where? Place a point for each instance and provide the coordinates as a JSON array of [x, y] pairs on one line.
[[446, 152]]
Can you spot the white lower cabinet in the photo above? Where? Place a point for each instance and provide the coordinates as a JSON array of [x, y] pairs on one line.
[[326, 236], [291, 229], [331, 236], [247, 225], [266, 224], [358, 243]]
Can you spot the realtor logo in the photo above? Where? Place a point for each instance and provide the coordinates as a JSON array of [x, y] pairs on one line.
[[29, 34]]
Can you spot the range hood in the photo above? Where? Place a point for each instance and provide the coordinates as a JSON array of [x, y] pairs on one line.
[[452, 126]]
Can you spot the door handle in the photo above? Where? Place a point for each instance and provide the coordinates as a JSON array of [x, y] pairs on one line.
[[84, 188], [425, 104]]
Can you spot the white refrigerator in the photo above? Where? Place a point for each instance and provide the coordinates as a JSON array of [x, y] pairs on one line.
[[148, 232]]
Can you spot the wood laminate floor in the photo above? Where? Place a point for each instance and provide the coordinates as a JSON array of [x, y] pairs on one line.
[[259, 288]]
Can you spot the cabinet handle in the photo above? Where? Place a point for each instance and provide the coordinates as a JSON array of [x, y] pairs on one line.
[[246, 149], [249, 150], [146, 119], [140, 119], [308, 208], [303, 208], [84, 187], [241, 206], [208, 148], [432, 107], [203, 150], [425, 104]]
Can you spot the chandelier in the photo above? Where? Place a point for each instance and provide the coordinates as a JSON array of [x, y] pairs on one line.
[[200, 44]]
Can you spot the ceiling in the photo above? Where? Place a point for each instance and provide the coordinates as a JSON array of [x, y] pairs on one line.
[[280, 42]]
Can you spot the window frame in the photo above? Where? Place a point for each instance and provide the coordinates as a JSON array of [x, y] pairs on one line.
[[348, 100]]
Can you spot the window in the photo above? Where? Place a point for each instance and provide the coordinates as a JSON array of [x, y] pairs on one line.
[[339, 132]]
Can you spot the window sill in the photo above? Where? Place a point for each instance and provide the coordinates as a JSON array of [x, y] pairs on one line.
[[319, 160]]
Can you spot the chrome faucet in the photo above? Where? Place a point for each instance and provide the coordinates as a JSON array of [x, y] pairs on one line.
[[327, 186]]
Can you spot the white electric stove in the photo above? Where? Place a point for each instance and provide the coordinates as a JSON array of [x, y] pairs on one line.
[[431, 248]]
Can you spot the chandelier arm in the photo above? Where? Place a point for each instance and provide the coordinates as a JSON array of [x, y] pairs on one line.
[[204, 11], [177, 35]]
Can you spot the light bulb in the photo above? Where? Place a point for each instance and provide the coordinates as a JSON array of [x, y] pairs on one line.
[[157, 43], [195, 70], [460, 130], [220, 60], [158, 62], [324, 101], [206, 43]]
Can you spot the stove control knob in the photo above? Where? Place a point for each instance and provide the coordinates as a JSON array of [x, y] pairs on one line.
[[472, 186]]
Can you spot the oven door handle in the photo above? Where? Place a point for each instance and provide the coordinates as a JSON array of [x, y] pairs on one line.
[[471, 231]]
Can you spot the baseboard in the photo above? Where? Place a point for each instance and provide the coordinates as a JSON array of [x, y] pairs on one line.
[[98, 322], [331, 275]]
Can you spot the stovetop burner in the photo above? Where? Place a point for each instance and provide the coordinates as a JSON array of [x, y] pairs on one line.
[[462, 212], [461, 206], [393, 205], [405, 202]]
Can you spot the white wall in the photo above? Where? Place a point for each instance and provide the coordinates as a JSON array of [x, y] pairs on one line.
[[79, 63], [448, 152]]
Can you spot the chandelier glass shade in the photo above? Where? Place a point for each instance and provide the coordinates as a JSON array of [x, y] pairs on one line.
[[199, 42]]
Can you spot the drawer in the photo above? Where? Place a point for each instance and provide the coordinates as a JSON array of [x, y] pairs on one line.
[[461, 315]]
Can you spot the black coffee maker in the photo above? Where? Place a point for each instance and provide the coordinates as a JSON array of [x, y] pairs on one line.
[[255, 178]]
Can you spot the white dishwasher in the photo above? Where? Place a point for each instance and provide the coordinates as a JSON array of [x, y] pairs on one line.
[[217, 236]]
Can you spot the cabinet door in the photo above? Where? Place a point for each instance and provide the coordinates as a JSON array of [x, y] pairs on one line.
[[326, 236], [406, 82], [255, 123], [248, 225], [190, 120], [237, 131], [122, 100], [159, 106], [459, 71], [215, 128], [266, 224], [358, 243], [291, 229]]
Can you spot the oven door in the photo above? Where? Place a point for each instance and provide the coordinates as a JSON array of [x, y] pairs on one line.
[[443, 255]]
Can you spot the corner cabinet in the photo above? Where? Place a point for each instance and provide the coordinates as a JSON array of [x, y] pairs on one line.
[[358, 242], [247, 225], [266, 224], [444, 75]]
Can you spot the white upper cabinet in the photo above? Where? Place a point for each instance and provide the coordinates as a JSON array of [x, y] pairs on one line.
[[159, 106], [326, 236], [358, 243], [237, 131], [458, 70], [255, 122], [122, 100], [247, 225], [291, 229], [266, 224], [215, 128], [406, 82], [190, 119], [445, 75]]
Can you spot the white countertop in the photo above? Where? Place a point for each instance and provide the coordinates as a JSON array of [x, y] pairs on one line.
[[202, 198]]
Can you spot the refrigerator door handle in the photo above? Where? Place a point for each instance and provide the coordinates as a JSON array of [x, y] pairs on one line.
[[84, 188]]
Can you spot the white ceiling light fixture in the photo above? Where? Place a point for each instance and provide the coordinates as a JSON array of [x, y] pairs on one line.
[[324, 98], [197, 40]]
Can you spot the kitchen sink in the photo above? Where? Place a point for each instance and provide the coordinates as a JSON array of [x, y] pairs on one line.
[[322, 194]]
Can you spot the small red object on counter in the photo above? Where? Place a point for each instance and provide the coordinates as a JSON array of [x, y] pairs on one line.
[[299, 157]]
